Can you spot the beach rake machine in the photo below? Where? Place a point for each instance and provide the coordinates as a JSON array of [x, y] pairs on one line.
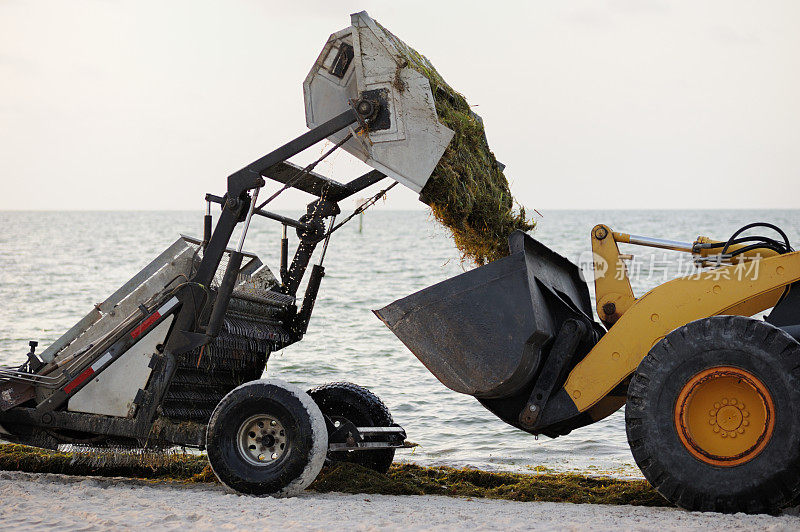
[[175, 356]]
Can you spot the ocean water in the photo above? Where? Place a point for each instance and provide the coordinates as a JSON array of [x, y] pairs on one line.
[[55, 265]]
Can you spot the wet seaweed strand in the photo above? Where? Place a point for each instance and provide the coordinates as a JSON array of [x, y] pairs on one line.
[[402, 479], [467, 192], [172, 466]]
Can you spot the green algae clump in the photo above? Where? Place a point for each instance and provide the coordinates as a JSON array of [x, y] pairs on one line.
[[344, 477], [171, 466], [468, 192], [411, 479]]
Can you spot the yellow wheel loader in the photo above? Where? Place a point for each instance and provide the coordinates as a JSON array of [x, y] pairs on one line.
[[711, 393]]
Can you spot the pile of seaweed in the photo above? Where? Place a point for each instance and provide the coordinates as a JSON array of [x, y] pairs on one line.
[[467, 192], [411, 479], [402, 479], [172, 466]]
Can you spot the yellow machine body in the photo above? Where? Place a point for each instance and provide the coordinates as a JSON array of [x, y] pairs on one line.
[[712, 397], [751, 283]]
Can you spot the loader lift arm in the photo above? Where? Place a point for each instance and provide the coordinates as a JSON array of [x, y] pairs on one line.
[[198, 320], [237, 205], [755, 278], [613, 287]]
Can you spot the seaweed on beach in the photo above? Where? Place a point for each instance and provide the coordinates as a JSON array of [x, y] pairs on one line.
[[468, 192], [402, 479], [171, 466], [411, 479]]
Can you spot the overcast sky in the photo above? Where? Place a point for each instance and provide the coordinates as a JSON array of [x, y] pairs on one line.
[[590, 104]]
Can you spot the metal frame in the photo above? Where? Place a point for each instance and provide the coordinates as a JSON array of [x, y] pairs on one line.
[[636, 324], [194, 324]]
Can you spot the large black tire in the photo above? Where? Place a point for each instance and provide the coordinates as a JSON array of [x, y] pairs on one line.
[[362, 408], [764, 477], [267, 421]]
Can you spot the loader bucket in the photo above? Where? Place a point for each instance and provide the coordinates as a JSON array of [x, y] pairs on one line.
[[406, 140], [485, 332]]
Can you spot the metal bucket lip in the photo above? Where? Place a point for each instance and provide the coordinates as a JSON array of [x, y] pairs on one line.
[[484, 332], [379, 312], [519, 241]]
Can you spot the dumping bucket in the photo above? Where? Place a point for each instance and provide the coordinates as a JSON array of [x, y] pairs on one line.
[[487, 332], [406, 140]]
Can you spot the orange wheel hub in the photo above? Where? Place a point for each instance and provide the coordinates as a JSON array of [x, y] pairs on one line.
[[724, 416]]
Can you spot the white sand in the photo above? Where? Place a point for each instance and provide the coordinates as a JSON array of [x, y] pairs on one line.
[[57, 502]]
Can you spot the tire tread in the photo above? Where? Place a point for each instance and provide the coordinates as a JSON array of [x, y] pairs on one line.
[[778, 488]]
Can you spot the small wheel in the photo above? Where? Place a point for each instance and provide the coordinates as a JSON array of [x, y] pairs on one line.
[[345, 400], [267, 437], [713, 416]]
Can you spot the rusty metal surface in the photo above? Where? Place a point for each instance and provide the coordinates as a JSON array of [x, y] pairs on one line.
[[14, 393]]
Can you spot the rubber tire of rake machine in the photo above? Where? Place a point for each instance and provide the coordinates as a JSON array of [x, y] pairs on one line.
[[362, 408], [765, 483], [306, 436]]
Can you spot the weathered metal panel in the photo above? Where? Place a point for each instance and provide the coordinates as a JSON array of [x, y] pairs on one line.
[[471, 331], [112, 392], [75, 337], [485, 332], [409, 140]]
